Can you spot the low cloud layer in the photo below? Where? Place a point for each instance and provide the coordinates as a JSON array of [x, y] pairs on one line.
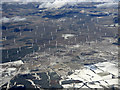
[[13, 19], [107, 5], [60, 3], [60, 0]]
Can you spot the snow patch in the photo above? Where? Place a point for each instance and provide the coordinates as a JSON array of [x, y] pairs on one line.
[[66, 36]]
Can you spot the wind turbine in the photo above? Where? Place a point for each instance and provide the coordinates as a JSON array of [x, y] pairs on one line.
[[49, 49], [19, 48], [5, 38], [44, 45], [20, 31], [75, 39], [94, 32], [44, 29], [51, 33], [56, 30], [17, 51], [14, 40], [39, 48], [49, 41], [56, 44], [41, 35], [36, 40], [52, 37]]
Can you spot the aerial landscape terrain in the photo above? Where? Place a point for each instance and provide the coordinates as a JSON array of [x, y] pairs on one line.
[[59, 45]]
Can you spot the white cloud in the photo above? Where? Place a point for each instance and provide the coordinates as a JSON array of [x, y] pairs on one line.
[[107, 5], [5, 20], [55, 4], [59, 3], [60, 0], [13, 19]]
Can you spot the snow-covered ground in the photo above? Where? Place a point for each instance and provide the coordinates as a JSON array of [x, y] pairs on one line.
[[94, 76], [9, 70]]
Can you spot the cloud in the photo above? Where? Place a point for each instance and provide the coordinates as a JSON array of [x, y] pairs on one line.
[[59, 3], [13, 19], [55, 4], [60, 0], [4, 19], [107, 5]]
